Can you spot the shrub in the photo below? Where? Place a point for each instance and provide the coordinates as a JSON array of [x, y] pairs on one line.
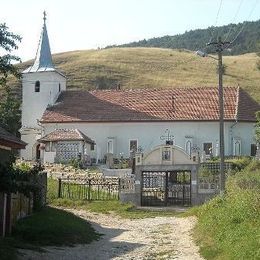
[[228, 225]]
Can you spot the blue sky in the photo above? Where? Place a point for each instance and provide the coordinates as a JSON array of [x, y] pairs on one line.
[[87, 24]]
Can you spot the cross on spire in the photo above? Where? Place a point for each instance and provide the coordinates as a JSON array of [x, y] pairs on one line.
[[44, 16]]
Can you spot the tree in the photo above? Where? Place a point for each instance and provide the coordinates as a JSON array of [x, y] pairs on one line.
[[10, 113]]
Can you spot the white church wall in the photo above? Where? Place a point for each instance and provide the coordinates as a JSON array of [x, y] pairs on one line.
[[244, 132], [49, 157], [35, 103], [30, 137], [149, 134]]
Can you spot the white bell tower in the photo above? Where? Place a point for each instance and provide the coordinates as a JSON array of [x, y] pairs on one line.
[[41, 86]]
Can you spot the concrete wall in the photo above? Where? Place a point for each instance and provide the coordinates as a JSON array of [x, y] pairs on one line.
[[148, 135]]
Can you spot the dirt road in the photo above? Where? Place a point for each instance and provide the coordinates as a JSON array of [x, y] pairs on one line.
[[148, 239]]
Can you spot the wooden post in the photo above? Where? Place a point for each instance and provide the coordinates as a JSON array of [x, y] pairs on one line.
[[3, 201], [8, 224]]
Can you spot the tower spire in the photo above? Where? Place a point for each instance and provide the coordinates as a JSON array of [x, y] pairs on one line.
[[43, 59]]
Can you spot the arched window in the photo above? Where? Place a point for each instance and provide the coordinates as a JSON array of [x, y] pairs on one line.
[[188, 147], [37, 86]]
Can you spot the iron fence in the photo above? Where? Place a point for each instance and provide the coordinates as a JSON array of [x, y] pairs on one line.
[[89, 189]]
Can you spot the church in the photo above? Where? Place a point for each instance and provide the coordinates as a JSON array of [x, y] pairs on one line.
[[59, 125]]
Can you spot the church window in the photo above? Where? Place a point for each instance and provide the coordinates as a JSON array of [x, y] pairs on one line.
[[37, 86], [59, 87], [236, 146]]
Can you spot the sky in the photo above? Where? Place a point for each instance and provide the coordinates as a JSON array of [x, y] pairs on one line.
[[89, 24]]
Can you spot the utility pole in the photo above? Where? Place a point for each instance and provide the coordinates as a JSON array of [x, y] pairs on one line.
[[219, 49]]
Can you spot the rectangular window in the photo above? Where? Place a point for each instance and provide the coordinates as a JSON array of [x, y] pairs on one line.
[[37, 86], [133, 146], [92, 147], [207, 148]]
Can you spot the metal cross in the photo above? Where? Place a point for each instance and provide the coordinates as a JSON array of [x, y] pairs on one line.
[[44, 16], [167, 136]]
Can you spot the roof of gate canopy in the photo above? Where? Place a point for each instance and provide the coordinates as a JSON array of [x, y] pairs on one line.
[[66, 135], [178, 104]]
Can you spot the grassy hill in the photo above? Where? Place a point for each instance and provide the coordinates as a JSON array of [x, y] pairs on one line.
[[153, 68]]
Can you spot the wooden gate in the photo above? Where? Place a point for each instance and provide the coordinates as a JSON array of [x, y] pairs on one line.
[[167, 188]]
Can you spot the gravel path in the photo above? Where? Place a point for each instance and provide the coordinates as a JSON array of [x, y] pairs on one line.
[[148, 239]]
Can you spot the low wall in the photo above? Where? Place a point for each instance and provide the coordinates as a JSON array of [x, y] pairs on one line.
[[116, 172]]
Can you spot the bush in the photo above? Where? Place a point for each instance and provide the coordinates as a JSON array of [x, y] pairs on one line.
[[228, 225]]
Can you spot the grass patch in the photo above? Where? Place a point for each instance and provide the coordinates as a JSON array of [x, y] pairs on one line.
[[124, 210], [54, 227], [48, 227], [229, 226]]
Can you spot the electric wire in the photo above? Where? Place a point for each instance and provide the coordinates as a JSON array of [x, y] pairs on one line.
[[234, 19], [243, 26], [216, 21]]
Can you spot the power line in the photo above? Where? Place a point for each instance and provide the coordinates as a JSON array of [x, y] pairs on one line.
[[234, 18], [244, 24], [216, 21]]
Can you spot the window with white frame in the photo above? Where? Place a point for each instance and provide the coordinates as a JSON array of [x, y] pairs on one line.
[[110, 146], [236, 146], [188, 147]]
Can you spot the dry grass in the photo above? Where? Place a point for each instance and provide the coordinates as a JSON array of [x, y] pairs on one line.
[[154, 68]]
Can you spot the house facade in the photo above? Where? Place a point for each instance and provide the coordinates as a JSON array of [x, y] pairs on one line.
[[121, 122]]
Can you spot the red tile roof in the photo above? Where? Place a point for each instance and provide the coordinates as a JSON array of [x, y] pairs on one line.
[[66, 135], [181, 104]]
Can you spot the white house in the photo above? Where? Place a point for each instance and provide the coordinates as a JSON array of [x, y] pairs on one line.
[[122, 121]]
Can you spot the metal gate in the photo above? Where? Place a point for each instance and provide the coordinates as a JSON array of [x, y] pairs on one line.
[[167, 188]]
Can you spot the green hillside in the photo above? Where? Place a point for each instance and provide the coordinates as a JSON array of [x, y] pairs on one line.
[[247, 35], [153, 68]]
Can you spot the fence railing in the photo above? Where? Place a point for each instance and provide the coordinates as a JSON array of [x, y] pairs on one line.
[[214, 167], [89, 189]]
